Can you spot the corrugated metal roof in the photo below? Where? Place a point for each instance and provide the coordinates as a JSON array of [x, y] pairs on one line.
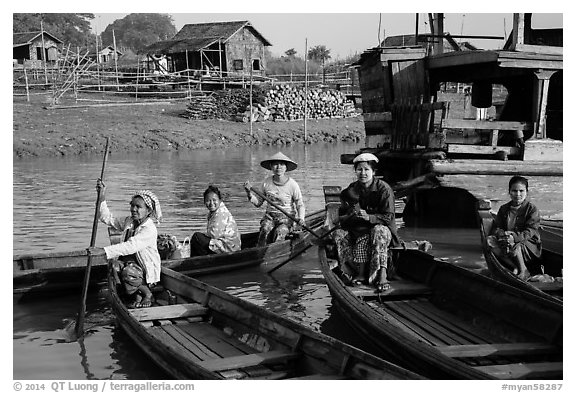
[[196, 36], [28, 37]]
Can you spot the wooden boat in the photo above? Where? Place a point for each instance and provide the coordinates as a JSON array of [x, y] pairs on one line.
[[61, 272], [445, 322], [551, 261], [196, 331], [552, 233]]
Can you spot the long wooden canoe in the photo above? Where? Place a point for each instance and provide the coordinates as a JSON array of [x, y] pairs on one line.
[[445, 322], [61, 272], [551, 262], [196, 331]]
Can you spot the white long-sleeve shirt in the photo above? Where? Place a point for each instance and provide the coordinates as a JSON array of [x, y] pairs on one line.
[[143, 243], [288, 196]]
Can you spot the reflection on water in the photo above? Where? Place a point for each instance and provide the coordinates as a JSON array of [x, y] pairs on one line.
[[54, 198]]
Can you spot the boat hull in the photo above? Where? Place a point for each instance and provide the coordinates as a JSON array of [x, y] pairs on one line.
[[434, 310]]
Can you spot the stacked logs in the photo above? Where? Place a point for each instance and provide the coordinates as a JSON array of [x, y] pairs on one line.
[[280, 103], [287, 103]]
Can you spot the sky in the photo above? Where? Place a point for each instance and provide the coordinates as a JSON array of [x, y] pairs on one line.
[[347, 33]]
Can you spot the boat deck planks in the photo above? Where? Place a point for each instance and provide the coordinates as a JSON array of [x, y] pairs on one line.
[[219, 342], [477, 350], [546, 370]]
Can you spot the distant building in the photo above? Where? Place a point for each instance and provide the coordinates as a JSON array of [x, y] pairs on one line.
[[224, 48], [27, 48], [108, 54]]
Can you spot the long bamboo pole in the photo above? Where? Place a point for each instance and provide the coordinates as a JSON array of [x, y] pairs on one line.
[[43, 52], [305, 89], [81, 314], [116, 60], [251, 68]]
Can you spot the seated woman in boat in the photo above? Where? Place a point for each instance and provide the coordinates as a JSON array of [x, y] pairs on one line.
[[137, 252], [368, 226], [221, 231], [283, 191], [515, 237]]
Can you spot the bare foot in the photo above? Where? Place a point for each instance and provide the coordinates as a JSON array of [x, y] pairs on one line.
[[146, 302], [524, 275]]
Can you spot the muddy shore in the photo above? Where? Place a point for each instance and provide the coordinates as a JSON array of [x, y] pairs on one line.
[[41, 132]]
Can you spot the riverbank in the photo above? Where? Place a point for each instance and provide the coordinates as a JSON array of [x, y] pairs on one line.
[[38, 131]]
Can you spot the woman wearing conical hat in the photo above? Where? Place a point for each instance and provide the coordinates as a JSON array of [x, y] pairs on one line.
[[283, 191]]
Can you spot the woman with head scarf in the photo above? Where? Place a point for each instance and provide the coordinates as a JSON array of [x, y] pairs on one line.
[[137, 252], [368, 226], [284, 192]]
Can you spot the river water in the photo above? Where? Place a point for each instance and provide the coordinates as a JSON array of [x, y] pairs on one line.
[[53, 210]]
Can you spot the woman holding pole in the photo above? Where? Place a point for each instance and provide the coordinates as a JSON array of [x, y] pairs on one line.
[[285, 204]]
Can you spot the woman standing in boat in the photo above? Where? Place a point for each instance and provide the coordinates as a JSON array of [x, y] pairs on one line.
[[221, 231], [516, 231], [137, 252], [284, 192], [368, 226]]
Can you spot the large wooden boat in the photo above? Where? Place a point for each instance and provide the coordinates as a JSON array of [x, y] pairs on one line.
[[445, 322], [437, 113], [196, 331], [61, 272], [551, 262]]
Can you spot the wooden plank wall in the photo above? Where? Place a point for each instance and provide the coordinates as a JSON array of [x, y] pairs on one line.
[[413, 121]]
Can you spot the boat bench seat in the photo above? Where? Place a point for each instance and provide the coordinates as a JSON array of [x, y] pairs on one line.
[[169, 312], [506, 349], [249, 360]]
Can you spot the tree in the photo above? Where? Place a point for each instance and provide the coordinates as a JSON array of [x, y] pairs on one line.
[[321, 54], [136, 31], [290, 52], [73, 29]]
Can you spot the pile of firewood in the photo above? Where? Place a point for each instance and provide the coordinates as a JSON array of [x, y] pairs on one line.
[[280, 103], [288, 102]]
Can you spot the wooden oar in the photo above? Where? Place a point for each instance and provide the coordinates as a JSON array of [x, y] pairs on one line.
[[80, 320], [282, 210], [302, 251]]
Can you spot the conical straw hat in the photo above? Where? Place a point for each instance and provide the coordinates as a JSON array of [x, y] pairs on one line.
[[290, 165]]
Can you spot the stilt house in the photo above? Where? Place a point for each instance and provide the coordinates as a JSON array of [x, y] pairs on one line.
[[222, 48]]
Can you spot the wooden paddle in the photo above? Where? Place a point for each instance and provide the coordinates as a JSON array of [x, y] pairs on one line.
[[302, 251], [80, 319], [261, 195]]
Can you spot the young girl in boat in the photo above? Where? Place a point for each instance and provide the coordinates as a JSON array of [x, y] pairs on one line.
[[368, 227], [221, 230], [284, 192], [137, 252], [515, 238]]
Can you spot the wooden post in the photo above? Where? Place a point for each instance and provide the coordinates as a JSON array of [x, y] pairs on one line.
[[26, 81], [251, 67], [137, 75], [188, 75], [43, 51], [97, 62], [220, 57], [115, 60], [305, 89], [542, 84]]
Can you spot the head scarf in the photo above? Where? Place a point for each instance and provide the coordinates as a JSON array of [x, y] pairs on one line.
[[152, 202]]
